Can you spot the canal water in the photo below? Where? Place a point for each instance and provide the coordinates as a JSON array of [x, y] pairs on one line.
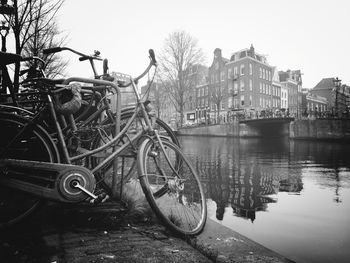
[[290, 196]]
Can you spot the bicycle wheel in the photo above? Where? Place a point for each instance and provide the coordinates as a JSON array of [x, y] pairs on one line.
[[127, 160], [174, 193], [35, 145]]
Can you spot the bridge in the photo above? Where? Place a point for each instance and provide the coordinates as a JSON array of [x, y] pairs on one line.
[[260, 127], [265, 127]]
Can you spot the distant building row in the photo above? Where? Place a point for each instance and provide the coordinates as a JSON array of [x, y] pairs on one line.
[[246, 82]]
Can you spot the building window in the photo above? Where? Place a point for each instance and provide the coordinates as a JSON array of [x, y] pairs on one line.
[[250, 69], [229, 73], [235, 72], [222, 74], [250, 100], [230, 102], [260, 87], [242, 69], [242, 84], [260, 73], [242, 100], [250, 84], [235, 87], [263, 73]]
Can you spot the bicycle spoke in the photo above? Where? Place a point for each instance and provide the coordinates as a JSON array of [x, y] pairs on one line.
[[177, 198]]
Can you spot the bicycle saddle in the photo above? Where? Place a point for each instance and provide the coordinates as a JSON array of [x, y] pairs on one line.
[[9, 58]]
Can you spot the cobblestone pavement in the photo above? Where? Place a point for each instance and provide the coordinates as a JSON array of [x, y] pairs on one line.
[[61, 234]]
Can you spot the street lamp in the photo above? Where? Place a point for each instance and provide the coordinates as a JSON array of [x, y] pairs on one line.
[[6, 11]]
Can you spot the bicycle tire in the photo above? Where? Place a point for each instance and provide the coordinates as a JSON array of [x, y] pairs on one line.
[[161, 126], [176, 198], [128, 159], [36, 146]]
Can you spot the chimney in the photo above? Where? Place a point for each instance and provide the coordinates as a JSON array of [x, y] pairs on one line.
[[217, 52]]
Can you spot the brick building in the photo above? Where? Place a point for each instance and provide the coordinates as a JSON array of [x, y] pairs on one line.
[[313, 105], [243, 82], [336, 94], [252, 77]]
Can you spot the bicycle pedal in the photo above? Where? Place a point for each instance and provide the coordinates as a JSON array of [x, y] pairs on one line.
[[100, 199]]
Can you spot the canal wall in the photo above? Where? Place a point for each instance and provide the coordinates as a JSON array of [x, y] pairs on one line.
[[320, 129], [300, 129], [234, 129]]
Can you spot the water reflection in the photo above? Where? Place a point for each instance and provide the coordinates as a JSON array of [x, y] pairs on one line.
[[303, 187], [245, 174]]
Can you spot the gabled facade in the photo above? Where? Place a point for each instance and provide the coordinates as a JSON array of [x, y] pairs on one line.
[[217, 94], [292, 81], [195, 103], [276, 90]]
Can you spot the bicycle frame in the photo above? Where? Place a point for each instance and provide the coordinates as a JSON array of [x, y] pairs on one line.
[[140, 112]]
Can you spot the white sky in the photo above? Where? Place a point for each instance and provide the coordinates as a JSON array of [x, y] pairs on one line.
[[310, 35]]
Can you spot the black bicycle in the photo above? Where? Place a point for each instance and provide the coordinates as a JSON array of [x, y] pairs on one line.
[[40, 160]]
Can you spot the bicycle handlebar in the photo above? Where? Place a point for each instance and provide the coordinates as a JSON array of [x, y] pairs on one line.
[[153, 62], [82, 56], [52, 50], [152, 56]]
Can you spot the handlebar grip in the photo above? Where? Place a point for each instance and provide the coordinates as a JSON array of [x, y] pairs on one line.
[[52, 50], [153, 56], [84, 58]]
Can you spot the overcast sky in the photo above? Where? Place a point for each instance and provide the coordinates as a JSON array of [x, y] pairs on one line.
[[310, 35]]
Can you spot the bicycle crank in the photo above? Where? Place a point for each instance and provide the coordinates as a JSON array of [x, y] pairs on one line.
[[60, 182]]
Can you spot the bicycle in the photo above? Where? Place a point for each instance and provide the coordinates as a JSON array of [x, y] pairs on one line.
[[35, 165], [95, 108]]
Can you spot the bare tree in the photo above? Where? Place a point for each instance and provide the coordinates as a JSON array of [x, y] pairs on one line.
[[219, 94], [47, 37], [34, 27], [216, 97], [180, 52]]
